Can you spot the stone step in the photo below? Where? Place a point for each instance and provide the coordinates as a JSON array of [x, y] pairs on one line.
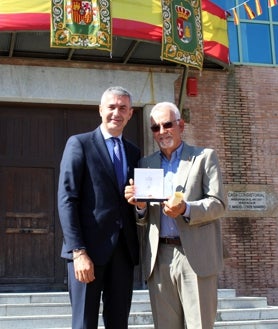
[[62, 297], [57, 308], [226, 298], [101, 327], [38, 320], [137, 307], [265, 313], [48, 321], [52, 311], [59, 304], [52, 323], [241, 302], [64, 308], [258, 324], [262, 324], [226, 293]]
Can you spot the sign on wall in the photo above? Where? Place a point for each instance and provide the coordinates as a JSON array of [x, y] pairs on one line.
[[251, 201], [254, 201]]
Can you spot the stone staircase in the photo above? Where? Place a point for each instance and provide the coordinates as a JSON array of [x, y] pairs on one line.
[[52, 311]]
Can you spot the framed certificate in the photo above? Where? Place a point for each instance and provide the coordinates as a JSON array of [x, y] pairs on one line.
[[149, 184]]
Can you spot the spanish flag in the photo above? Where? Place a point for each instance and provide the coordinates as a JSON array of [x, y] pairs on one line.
[[138, 19], [18, 15], [258, 7], [236, 19], [272, 3], [216, 44], [249, 11]]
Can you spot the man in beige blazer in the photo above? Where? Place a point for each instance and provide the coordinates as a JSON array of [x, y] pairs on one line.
[[183, 246]]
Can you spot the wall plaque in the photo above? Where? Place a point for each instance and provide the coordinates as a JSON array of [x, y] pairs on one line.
[[255, 201]]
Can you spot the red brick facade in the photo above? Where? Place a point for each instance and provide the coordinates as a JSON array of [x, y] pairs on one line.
[[237, 114]]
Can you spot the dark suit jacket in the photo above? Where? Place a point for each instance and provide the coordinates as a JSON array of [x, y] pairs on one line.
[[90, 205]]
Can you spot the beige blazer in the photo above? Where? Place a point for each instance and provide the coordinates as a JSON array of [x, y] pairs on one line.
[[199, 176]]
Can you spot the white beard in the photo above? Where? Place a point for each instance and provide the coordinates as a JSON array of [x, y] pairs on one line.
[[166, 142]]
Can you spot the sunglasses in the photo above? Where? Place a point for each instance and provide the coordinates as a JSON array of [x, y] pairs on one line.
[[167, 125]]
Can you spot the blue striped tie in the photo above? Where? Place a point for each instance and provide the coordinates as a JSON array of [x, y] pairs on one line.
[[118, 162]]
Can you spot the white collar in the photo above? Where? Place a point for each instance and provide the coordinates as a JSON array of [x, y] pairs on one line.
[[107, 135]]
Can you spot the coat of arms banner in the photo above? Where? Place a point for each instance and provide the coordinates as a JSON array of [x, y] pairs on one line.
[[81, 24], [182, 40]]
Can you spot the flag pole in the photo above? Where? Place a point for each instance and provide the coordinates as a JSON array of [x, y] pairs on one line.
[[183, 88]]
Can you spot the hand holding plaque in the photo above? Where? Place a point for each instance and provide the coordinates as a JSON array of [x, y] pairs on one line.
[[149, 184]]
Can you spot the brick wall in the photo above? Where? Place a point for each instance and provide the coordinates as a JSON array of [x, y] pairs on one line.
[[237, 114]]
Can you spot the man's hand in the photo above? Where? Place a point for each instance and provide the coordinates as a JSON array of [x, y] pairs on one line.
[[174, 211], [130, 193], [83, 267]]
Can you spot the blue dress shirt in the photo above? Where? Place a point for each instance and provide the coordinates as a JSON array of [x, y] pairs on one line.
[[168, 226]]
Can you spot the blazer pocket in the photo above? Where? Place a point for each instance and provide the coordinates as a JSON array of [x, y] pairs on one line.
[[204, 224]]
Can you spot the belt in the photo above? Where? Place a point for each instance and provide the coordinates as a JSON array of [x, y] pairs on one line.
[[175, 240]]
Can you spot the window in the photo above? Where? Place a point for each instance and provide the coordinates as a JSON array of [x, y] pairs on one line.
[[252, 41], [276, 44], [255, 43]]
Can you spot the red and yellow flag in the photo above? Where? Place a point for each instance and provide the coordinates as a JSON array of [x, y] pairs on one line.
[[214, 19], [272, 3], [236, 19], [18, 15], [258, 7], [249, 11], [138, 19]]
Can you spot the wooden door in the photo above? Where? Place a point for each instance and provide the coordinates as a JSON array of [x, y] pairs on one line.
[[27, 225], [32, 139]]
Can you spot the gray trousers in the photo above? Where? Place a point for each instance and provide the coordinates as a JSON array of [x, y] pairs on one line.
[[179, 298]]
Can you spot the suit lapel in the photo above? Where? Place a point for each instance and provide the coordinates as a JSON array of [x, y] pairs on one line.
[[103, 154], [186, 163], [155, 161], [129, 160]]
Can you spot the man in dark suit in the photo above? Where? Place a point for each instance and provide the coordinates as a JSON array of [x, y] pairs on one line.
[[99, 226], [183, 250]]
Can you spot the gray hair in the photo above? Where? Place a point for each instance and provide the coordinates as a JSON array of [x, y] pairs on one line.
[[171, 106], [117, 90]]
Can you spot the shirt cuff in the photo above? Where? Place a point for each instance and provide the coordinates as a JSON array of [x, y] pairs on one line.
[[141, 212], [186, 214]]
